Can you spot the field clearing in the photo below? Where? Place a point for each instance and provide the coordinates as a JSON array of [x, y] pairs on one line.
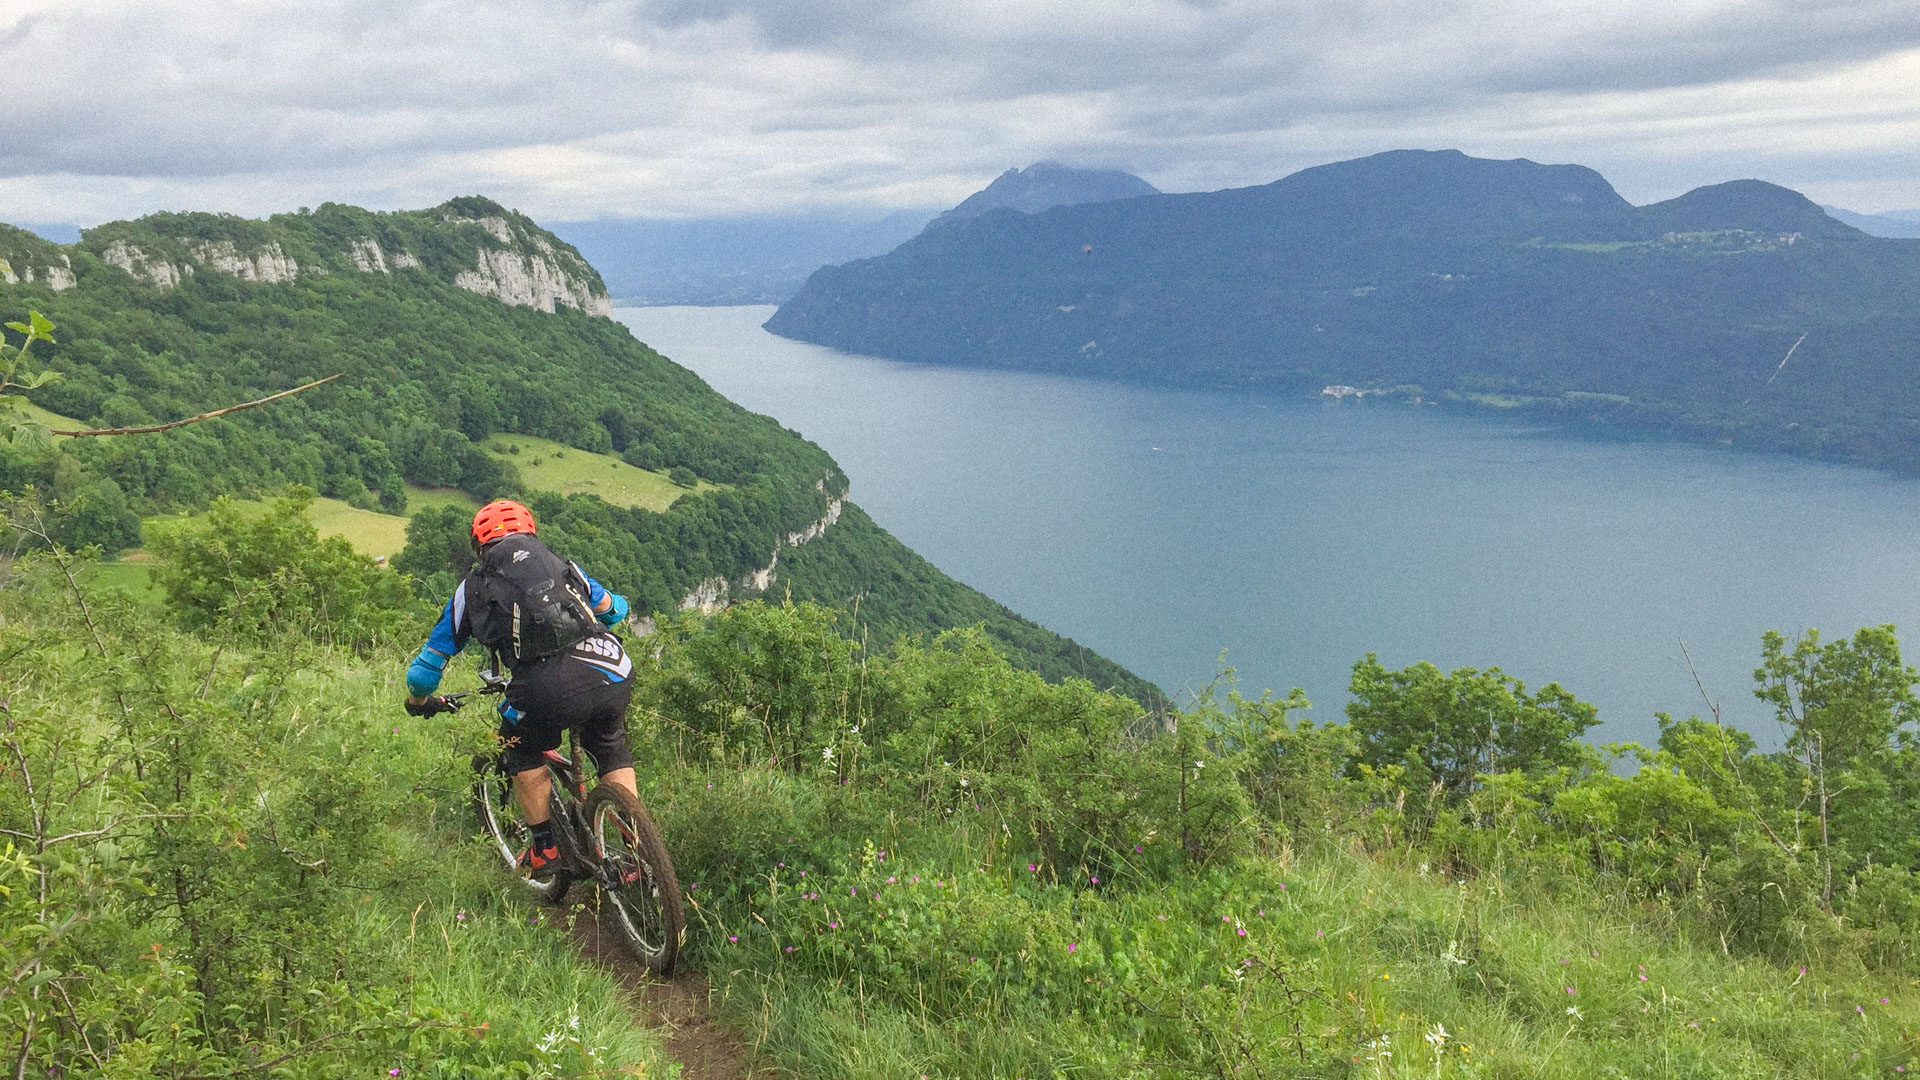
[[134, 574], [370, 532], [546, 465], [425, 498], [27, 409]]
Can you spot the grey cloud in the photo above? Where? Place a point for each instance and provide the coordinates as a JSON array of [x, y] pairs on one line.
[[655, 104]]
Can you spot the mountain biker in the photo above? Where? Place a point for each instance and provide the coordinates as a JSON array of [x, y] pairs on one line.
[[549, 626]]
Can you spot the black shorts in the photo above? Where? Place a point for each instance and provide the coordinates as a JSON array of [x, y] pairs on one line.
[[598, 713]]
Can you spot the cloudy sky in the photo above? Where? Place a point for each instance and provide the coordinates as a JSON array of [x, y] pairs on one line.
[[572, 109]]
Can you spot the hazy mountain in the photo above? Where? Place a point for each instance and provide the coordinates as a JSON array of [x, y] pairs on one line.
[[59, 234], [757, 260], [1903, 224], [1515, 283], [1045, 185]]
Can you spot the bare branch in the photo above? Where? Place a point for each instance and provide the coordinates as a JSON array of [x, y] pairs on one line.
[[196, 419]]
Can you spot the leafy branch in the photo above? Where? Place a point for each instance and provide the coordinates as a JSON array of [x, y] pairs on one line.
[[14, 383]]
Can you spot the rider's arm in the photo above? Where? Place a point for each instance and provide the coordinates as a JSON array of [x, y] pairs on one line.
[[446, 641], [609, 607]]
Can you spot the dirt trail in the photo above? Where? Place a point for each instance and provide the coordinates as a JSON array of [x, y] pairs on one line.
[[678, 1007]]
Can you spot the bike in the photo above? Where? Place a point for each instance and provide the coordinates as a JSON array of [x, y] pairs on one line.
[[604, 836]]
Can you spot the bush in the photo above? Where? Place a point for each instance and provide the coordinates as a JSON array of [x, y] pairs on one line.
[[256, 577]]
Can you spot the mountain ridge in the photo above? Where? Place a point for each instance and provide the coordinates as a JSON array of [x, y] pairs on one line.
[[1451, 277]]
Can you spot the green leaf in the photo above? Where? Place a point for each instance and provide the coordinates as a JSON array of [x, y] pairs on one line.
[[30, 435], [42, 325], [44, 975], [20, 326], [41, 379]]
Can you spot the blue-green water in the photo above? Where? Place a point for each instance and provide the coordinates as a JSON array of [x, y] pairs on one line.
[[1163, 526]]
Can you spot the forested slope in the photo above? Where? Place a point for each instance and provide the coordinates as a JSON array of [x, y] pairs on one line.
[[447, 326], [1446, 277]]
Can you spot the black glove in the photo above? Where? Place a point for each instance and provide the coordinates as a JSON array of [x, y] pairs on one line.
[[432, 706]]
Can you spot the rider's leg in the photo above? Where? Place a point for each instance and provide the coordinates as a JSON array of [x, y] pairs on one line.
[[533, 788], [603, 735], [621, 778]]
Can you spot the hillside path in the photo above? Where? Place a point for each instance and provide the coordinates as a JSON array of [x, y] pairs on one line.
[[679, 1008]]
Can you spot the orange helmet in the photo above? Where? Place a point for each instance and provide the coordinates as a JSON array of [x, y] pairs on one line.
[[500, 517]]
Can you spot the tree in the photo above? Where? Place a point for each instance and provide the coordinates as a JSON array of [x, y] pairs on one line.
[[256, 577], [1848, 706], [1448, 729]]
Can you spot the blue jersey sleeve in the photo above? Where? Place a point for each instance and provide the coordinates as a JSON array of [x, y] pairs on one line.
[[596, 593], [443, 644]]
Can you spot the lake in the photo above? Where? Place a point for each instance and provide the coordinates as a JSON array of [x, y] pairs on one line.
[[1163, 527]]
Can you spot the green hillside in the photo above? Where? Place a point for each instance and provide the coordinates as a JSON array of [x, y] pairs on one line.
[[1438, 277], [230, 854], [474, 363]]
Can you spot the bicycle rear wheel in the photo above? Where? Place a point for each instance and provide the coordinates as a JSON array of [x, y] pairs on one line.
[[637, 877], [498, 814]]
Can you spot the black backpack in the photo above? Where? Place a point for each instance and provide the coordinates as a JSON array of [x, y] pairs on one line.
[[527, 603]]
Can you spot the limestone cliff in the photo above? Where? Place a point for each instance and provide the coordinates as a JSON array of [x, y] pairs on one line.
[[527, 269], [472, 243], [27, 258], [717, 592]]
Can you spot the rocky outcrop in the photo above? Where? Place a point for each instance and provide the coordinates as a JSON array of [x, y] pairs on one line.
[[532, 279], [717, 592], [155, 270], [369, 257], [56, 277], [472, 243], [266, 264], [366, 256], [495, 226]]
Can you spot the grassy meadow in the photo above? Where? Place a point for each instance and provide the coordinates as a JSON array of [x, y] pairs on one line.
[[546, 465], [918, 860]]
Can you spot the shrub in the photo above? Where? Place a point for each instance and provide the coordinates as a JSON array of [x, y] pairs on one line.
[[256, 577]]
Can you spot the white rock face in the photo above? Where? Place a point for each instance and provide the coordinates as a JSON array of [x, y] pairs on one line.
[[535, 281], [818, 528], [57, 277], [495, 225], [714, 593], [367, 256], [404, 260], [706, 597], [146, 266], [268, 264]]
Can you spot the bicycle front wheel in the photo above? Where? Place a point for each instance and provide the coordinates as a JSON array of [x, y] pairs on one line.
[[637, 877], [497, 813]]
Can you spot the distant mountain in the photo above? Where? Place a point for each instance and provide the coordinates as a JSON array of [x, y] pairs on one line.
[[59, 234], [753, 260], [1437, 276], [1904, 224], [1045, 185], [765, 260]]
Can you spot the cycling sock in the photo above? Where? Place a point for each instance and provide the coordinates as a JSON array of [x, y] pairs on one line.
[[543, 834]]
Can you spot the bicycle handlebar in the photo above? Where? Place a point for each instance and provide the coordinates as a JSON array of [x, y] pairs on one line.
[[490, 683]]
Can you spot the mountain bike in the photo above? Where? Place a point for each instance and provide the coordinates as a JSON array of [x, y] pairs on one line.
[[604, 836]]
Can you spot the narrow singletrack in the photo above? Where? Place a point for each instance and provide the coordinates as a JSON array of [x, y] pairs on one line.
[[679, 1007]]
